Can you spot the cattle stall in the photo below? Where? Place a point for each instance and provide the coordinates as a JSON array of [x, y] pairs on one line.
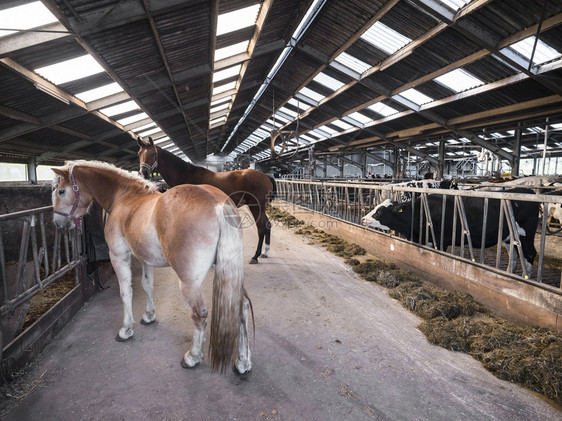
[[330, 204]]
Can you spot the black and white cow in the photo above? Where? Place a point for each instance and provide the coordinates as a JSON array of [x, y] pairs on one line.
[[398, 217]]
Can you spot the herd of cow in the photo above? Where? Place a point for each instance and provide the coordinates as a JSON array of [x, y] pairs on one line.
[[441, 221]]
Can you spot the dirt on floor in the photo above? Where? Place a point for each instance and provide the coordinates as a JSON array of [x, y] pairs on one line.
[[531, 357]]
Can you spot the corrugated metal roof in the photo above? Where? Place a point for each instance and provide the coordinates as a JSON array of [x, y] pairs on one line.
[[161, 53]]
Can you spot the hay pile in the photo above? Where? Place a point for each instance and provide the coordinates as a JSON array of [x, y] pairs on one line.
[[531, 357]]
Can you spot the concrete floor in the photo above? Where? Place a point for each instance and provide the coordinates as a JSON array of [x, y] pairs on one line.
[[328, 346]]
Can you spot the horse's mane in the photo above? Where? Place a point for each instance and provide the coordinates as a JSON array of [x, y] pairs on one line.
[[136, 179]]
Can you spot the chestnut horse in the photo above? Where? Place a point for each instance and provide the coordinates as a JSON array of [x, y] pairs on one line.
[[188, 228], [245, 187]]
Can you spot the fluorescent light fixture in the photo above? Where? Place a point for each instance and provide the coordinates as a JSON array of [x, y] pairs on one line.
[[132, 119], [416, 96], [69, 70], [27, 16], [120, 108], [231, 50], [238, 19], [101, 92]]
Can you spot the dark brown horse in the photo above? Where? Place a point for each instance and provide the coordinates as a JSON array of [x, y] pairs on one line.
[[245, 187]]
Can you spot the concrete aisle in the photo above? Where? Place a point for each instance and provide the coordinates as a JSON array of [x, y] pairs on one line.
[[328, 346]]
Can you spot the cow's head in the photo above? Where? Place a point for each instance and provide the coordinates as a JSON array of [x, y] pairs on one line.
[[370, 220]]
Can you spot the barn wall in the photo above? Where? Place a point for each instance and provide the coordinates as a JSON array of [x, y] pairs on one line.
[[510, 297]]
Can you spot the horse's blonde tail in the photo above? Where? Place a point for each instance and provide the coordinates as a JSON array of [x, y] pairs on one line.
[[228, 290]]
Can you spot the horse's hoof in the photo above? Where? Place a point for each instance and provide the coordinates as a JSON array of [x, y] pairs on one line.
[[264, 256], [239, 373], [185, 365], [143, 322], [253, 261], [120, 339]]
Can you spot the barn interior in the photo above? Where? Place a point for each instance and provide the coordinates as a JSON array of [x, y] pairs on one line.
[[333, 99], [350, 88]]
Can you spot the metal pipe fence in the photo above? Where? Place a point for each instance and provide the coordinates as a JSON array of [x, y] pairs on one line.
[[45, 255], [351, 201]]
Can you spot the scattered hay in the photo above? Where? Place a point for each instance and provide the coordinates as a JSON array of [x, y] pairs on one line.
[[531, 357]]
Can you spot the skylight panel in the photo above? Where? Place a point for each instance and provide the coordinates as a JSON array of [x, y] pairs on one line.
[[220, 107], [455, 4], [217, 121], [312, 94], [101, 92], [299, 105], [416, 96], [226, 73], [342, 124], [69, 70], [543, 51], [361, 118], [274, 123], [161, 140], [220, 101], [385, 38], [146, 126], [151, 131], [231, 50], [27, 16], [132, 119], [328, 130], [288, 111], [352, 63], [120, 108], [223, 88], [238, 19], [382, 109], [328, 81], [459, 80]]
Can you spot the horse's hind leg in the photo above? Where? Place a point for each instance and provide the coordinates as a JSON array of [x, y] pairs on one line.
[[267, 237], [243, 362], [199, 316], [149, 315]]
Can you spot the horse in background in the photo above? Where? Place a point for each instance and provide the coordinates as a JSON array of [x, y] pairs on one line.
[[245, 187], [189, 228]]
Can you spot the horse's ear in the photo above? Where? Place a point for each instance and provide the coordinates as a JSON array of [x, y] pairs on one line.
[[58, 171], [150, 141], [140, 142]]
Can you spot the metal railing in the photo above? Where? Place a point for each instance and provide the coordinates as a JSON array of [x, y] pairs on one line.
[[44, 250], [351, 201]]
